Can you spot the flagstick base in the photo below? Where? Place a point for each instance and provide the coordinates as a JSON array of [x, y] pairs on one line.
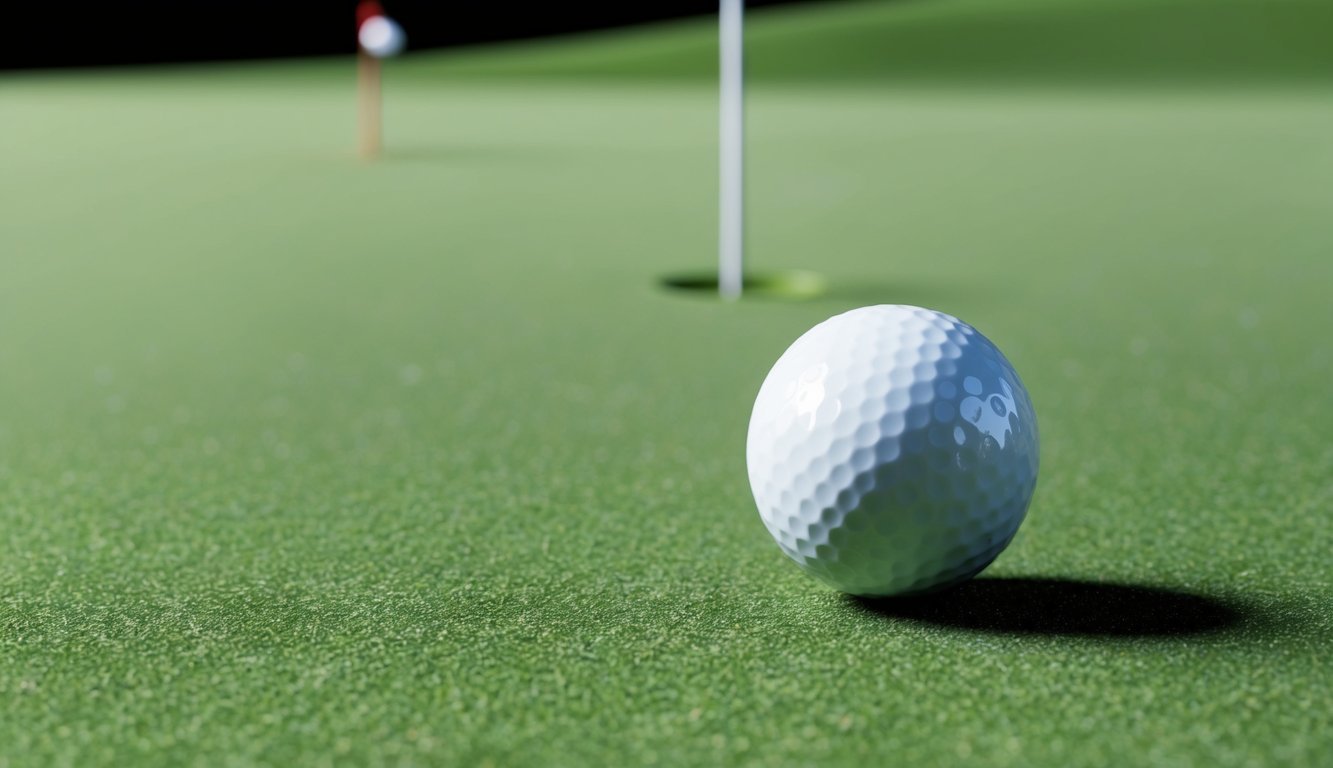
[[795, 285]]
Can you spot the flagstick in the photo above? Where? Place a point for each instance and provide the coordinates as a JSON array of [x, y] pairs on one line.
[[368, 105], [731, 213]]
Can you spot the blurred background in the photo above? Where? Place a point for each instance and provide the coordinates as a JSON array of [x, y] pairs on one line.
[[56, 34], [1192, 42]]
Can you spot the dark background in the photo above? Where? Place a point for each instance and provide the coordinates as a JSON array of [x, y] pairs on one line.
[[63, 34]]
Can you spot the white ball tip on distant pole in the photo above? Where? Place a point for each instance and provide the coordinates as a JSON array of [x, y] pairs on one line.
[[381, 37]]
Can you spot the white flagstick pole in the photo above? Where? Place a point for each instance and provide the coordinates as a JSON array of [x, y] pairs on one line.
[[731, 213]]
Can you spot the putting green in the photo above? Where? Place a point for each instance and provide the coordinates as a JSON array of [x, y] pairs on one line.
[[306, 461]]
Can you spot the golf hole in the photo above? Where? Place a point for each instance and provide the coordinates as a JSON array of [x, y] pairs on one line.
[[795, 284]]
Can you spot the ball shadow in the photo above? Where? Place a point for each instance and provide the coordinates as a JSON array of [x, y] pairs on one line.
[[1061, 607]]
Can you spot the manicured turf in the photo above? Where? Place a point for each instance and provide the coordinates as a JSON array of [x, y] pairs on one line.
[[304, 461]]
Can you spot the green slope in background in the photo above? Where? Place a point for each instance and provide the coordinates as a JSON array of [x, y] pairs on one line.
[[915, 41]]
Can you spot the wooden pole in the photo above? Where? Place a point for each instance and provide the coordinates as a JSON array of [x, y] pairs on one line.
[[369, 106]]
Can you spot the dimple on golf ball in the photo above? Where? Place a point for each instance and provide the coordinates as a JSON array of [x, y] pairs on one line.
[[892, 450]]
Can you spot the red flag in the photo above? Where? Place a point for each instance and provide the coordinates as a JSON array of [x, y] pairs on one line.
[[367, 9]]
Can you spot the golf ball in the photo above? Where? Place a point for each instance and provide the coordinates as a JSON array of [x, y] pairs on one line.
[[892, 450]]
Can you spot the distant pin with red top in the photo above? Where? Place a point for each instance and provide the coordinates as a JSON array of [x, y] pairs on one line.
[[377, 37], [376, 33]]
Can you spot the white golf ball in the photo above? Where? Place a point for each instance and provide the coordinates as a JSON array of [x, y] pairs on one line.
[[381, 37], [892, 450]]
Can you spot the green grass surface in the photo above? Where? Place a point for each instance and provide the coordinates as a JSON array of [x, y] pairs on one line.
[[304, 461]]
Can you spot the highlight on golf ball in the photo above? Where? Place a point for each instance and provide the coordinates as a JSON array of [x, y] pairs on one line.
[[892, 450]]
